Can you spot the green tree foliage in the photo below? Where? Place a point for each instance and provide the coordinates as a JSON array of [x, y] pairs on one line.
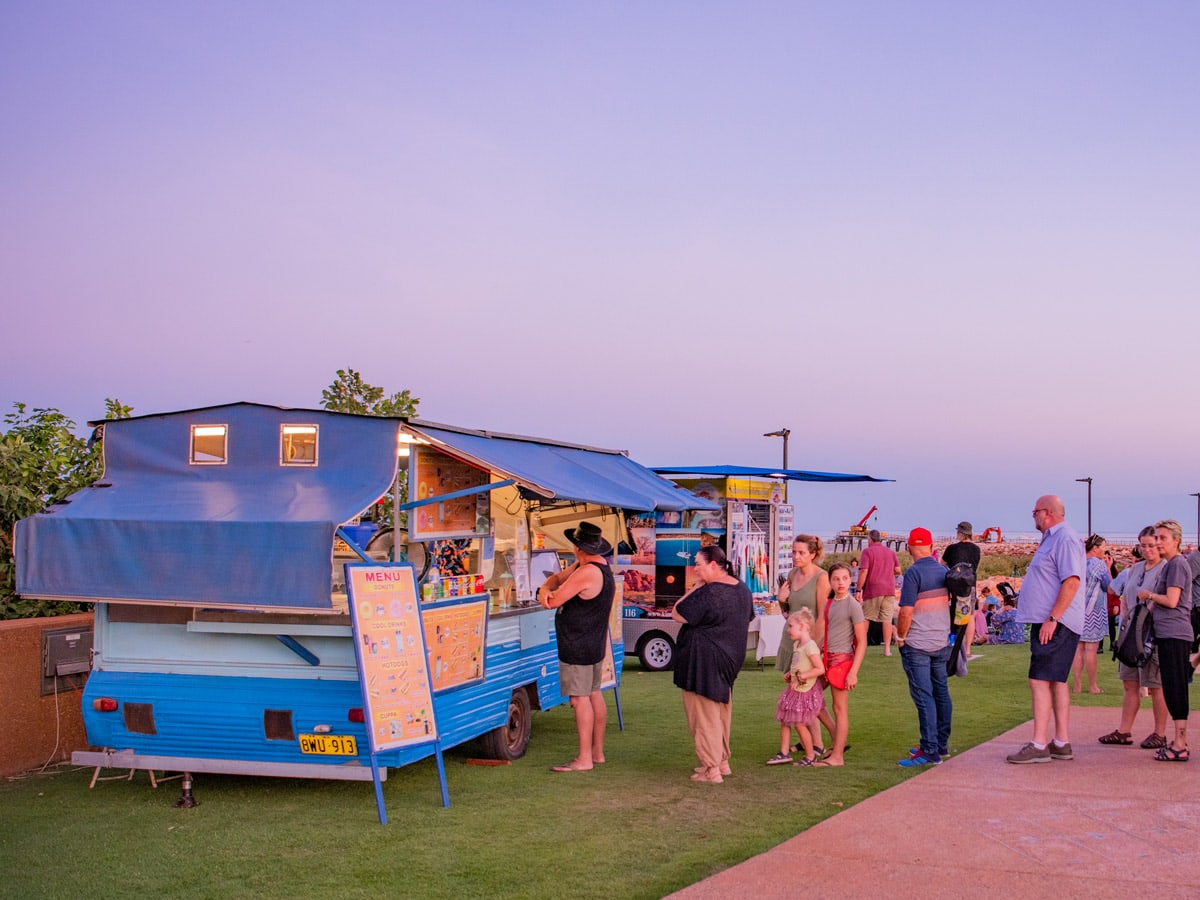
[[42, 461], [350, 394]]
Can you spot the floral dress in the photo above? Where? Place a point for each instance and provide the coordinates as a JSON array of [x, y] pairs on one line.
[[1095, 620]]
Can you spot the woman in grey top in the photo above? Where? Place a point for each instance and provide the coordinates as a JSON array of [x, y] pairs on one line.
[[807, 587], [1172, 612], [1147, 574]]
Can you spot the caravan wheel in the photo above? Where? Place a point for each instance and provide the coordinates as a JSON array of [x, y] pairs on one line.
[[511, 739]]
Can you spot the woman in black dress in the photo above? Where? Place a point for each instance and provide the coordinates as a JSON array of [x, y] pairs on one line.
[[708, 656]]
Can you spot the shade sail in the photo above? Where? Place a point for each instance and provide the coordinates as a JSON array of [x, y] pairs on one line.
[[749, 472], [250, 532], [564, 471]]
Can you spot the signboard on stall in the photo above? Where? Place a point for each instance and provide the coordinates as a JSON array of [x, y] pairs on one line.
[[785, 533], [393, 668], [753, 489], [388, 638], [433, 474], [455, 636], [608, 671]]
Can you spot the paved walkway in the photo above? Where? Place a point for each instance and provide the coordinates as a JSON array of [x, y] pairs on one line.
[[1110, 823]]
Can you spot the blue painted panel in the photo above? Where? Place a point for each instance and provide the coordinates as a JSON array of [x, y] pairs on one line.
[[221, 716]]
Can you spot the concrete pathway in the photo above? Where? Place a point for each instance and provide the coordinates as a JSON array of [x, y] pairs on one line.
[[1110, 823]]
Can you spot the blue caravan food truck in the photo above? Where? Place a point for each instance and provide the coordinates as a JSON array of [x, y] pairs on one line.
[[214, 550]]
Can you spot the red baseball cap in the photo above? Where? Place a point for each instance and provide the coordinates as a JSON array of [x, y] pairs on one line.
[[920, 537]]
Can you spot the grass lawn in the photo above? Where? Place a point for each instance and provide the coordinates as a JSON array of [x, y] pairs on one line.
[[635, 827]]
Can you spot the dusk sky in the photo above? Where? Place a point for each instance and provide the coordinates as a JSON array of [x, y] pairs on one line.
[[954, 244]]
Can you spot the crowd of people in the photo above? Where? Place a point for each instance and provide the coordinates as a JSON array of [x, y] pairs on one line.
[[933, 620], [1063, 610]]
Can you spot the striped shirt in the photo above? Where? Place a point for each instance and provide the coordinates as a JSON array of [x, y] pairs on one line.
[[924, 590]]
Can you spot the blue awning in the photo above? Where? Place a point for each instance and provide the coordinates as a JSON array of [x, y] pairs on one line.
[[557, 471], [748, 472], [247, 533], [254, 533]]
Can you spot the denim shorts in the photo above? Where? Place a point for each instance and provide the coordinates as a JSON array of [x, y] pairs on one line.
[[1052, 661]]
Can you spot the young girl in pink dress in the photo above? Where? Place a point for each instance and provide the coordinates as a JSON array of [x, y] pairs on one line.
[[802, 699]]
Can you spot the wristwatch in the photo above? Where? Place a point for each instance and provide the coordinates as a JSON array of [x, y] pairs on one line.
[[1052, 619]]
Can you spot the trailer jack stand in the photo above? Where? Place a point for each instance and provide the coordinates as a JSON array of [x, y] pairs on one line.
[[186, 800]]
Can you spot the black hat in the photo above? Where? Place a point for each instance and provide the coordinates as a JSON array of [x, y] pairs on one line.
[[588, 538]]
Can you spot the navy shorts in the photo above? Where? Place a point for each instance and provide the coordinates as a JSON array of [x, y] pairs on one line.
[[1052, 661]]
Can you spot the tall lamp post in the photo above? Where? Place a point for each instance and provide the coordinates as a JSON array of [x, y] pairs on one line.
[[1197, 496], [1088, 480], [781, 433]]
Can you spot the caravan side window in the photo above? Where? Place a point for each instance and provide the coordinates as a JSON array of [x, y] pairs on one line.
[[209, 445], [297, 445]]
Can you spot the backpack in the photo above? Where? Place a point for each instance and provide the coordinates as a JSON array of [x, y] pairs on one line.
[[1136, 643], [960, 584]]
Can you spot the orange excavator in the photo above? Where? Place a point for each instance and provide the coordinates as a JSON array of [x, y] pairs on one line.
[[987, 535], [861, 527]]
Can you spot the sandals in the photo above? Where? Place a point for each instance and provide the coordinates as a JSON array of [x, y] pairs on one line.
[[779, 759], [1170, 754], [805, 761], [1154, 742], [1123, 738]]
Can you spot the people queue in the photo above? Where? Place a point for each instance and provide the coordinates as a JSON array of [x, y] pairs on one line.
[[1063, 605]]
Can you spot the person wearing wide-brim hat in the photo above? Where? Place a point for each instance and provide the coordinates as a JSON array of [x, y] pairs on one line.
[[583, 597]]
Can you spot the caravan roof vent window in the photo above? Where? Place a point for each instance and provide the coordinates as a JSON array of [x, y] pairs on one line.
[[297, 445], [209, 445]]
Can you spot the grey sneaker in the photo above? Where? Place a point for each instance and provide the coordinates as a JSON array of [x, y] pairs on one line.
[[1063, 752], [1029, 754]]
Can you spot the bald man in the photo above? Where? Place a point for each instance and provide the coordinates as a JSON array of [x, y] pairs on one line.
[[1053, 605]]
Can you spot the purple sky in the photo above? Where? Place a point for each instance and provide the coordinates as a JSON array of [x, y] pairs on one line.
[[952, 244]]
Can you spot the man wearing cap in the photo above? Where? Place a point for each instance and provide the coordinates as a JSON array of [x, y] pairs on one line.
[[922, 633], [964, 550], [877, 573], [583, 597], [1053, 604]]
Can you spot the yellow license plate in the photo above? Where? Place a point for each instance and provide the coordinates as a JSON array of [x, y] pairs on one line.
[[329, 744]]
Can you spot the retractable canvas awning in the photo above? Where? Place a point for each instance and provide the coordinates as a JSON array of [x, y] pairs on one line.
[[255, 530], [558, 471]]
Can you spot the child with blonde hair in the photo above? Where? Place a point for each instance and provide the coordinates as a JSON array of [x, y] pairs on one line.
[[802, 699]]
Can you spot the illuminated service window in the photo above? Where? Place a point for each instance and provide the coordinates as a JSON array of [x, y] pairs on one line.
[[209, 445], [298, 445]]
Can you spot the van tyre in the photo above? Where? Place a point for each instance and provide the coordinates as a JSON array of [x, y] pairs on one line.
[[656, 651], [511, 739]]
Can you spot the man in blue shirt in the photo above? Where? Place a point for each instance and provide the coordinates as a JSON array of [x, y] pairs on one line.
[[922, 631], [1053, 604]]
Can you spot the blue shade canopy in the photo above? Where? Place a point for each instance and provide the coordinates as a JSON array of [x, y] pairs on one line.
[[748, 472], [563, 471], [248, 533]]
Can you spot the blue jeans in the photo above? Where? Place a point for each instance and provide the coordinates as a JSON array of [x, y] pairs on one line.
[[927, 683]]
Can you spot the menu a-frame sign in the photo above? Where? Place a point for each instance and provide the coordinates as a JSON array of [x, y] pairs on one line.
[[393, 667]]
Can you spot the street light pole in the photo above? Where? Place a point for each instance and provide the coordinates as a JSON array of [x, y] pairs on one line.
[[1197, 496], [1089, 484], [781, 433]]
